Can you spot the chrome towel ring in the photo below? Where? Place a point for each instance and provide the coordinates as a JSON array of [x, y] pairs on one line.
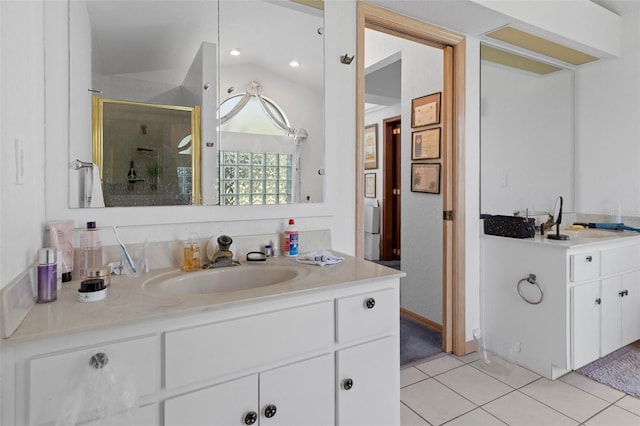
[[531, 279]]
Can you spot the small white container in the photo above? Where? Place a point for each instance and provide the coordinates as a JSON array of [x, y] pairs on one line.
[[92, 290]]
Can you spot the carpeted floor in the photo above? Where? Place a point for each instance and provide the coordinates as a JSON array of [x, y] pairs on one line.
[[417, 341], [619, 369], [395, 264]]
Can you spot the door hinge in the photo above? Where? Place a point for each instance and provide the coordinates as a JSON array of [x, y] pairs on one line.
[[447, 215], [396, 251], [396, 191], [396, 131]]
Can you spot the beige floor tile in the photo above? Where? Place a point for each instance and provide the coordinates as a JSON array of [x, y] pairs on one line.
[[468, 358], [434, 402], [411, 375], [569, 400], [409, 418], [513, 375], [630, 403], [594, 388], [614, 416], [473, 384], [439, 365], [518, 409], [477, 417]]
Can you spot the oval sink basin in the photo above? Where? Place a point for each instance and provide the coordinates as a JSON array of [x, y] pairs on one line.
[[223, 280]]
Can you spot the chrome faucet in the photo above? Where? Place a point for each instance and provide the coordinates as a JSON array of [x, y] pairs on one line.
[[224, 256]]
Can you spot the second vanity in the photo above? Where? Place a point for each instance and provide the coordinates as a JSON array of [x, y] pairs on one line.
[[590, 298], [319, 349]]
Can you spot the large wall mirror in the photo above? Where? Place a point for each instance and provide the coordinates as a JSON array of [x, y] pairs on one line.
[[527, 134], [224, 59]]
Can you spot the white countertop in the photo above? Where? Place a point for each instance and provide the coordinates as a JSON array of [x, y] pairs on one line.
[[580, 238], [128, 300]]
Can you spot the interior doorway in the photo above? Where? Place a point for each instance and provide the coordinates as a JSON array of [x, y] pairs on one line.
[[391, 189], [451, 179]]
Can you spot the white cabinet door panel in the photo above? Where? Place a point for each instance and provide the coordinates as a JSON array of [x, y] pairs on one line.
[[585, 323]]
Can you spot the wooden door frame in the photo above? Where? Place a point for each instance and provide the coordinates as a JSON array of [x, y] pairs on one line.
[[387, 135], [453, 104]]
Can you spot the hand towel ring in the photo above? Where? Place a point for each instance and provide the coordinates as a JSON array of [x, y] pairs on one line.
[[531, 279]]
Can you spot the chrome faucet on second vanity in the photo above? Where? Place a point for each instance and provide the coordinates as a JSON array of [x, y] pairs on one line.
[[224, 256]]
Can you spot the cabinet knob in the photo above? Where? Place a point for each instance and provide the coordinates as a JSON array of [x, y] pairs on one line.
[[347, 384], [598, 301], [270, 411], [250, 418], [370, 303], [623, 293], [99, 360], [589, 259]]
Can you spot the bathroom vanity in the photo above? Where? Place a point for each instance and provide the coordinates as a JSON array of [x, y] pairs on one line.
[[317, 349], [590, 298]]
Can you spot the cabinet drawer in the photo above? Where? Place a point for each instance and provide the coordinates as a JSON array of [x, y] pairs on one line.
[[620, 259], [209, 351], [58, 381], [585, 266], [367, 314]]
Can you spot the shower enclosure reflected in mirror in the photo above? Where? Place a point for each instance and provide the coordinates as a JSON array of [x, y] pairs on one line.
[[147, 154], [171, 53]]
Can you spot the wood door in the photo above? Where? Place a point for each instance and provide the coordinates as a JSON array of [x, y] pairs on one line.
[[392, 169]]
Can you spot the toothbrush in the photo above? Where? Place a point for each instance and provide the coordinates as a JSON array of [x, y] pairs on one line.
[[124, 249]]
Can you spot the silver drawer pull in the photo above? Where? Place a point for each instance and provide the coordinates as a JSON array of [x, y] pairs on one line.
[[99, 360], [370, 303], [589, 259]]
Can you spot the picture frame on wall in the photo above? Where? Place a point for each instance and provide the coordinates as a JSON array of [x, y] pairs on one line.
[[425, 177], [370, 185], [370, 147], [425, 144], [425, 110]]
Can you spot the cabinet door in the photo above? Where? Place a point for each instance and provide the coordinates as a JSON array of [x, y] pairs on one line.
[[368, 381], [299, 394], [610, 322], [226, 404], [585, 323], [630, 309]]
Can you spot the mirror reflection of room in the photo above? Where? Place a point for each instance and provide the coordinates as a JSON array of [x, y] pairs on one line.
[[176, 54]]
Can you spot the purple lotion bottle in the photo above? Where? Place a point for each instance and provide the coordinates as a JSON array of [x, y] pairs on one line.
[[47, 275]]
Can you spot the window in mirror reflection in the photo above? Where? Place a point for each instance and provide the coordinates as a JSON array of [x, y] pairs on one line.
[[257, 165]]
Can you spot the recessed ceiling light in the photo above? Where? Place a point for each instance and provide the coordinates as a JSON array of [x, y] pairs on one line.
[[294, 64], [234, 52]]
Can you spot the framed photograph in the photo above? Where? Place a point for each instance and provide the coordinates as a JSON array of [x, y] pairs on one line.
[[370, 185], [425, 110], [371, 147], [425, 144], [425, 177]]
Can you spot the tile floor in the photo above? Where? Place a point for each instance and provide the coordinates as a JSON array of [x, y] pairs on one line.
[[457, 391]]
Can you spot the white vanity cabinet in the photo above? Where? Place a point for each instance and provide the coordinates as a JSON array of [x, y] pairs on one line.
[[590, 307], [274, 361], [605, 315], [295, 394]]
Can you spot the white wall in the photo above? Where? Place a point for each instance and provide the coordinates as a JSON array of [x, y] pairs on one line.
[[23, 118], [172, 223], [527, 140], [421, 245], [608, 129]]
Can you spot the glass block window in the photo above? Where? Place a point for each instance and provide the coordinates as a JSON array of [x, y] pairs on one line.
[[253, 178]]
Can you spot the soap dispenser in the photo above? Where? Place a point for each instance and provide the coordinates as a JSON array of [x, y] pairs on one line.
[[191, 255]]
